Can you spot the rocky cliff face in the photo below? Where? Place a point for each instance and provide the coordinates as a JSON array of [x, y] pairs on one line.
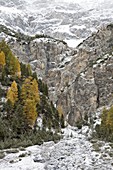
[[81, 79]]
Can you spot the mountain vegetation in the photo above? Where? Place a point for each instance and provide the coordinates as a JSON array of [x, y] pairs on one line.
[[23, 100], [105, 129], [20, 36]]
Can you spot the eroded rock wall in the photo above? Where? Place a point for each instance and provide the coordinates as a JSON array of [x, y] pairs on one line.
[[81, 79]]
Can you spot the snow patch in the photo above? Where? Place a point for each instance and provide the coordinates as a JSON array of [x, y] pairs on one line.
[[73, 42]]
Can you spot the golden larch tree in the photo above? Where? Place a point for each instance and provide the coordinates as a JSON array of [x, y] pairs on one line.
[[17, 69], [30, 90], [109, 119], [2, 59], [30, 98], [35, 91], [14, 65], [60, 110], [12, 93], [30, 112]]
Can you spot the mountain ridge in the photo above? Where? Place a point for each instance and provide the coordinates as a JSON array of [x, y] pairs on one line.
[[69, 71], [41, 18]]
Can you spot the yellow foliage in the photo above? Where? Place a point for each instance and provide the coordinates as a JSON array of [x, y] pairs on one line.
[[60, 110], [12, 93], [35, 91], [2, 59], [17, 68], [109, 119], [30, 111], [8, 58], [30, 90], [107, 122], [30, 98]]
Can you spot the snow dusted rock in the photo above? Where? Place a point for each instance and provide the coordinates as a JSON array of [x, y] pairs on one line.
[[85, 130], [79, 79], [77, 153], [39, 159], [44, 54], [72, 20], [70, 153]]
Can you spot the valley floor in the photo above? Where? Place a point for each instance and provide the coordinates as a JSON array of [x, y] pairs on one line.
[[73, 152]]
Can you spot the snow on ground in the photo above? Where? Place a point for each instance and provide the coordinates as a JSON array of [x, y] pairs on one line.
[[10, 10], [73, 152], [24, 163], [64, 28], [88, 4], [74, 42], [63, 19]]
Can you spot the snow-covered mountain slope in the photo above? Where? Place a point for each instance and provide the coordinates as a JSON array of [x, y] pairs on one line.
[[71, 20], [73, 152]]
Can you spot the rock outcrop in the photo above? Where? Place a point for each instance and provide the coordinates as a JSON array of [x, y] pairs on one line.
[[81, 79]]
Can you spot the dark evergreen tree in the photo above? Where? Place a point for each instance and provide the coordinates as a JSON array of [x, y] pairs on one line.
[[62, 122], [34, 75]]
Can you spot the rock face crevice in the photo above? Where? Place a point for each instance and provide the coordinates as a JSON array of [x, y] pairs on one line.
[[98, 91], [81, 79]]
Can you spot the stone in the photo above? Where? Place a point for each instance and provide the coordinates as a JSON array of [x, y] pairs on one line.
[[39, 159], [81, 79]]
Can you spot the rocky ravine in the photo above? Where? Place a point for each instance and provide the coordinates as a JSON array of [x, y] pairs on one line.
[[81, 79], [73, 152]]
